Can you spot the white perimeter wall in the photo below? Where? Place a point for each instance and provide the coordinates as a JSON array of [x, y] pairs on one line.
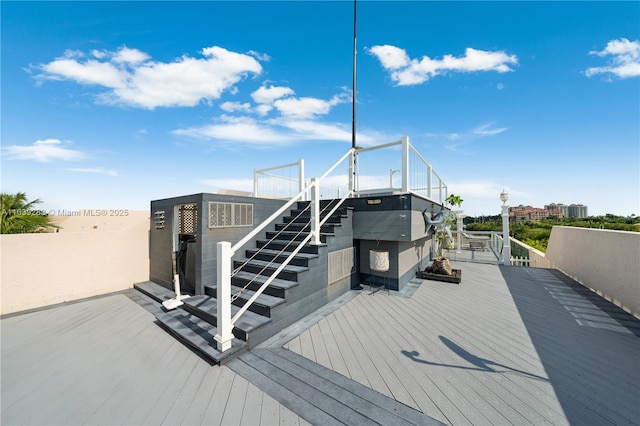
[[606, 261], [77, 262]]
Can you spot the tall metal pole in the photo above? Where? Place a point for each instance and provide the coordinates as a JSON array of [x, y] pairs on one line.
[[353, 99], [352, 160]]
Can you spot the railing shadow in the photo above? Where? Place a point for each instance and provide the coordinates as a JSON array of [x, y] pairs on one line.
[[588, 347], [480, 364]]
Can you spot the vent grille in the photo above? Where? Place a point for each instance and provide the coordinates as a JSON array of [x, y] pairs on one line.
[[340, 264], [188, 219], [223, 215]]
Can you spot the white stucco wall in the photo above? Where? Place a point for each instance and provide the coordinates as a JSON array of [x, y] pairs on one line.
[[82, 260], [606, 261]]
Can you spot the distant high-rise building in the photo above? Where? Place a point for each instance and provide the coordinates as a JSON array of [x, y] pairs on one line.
[[573, 210], [522, 213], [562, 208], [578, 210]]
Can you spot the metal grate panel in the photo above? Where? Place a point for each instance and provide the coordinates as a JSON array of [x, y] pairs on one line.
[[188, 219]]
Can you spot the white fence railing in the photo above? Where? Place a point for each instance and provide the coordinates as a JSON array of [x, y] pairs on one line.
[[280, 182], [416, 175]]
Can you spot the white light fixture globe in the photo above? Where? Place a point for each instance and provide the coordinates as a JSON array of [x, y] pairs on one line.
[[504, 196]]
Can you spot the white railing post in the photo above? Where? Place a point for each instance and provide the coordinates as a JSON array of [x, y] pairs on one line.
[[255, 183], [352, 171], [315, 211], [301, 175], [506, 244], [459, 226], [224, 332], [405, 164]]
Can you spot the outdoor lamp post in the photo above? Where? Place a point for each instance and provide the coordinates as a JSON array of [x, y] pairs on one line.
[[506, 243]]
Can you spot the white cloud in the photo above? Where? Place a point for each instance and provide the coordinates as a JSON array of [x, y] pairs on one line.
[[486, 130], [274, 132], [267, 95], [302, 107], [235, 106], [500, 86], [459, 140], [480, 189], [390, 57], [406, 72], [237, 129], [624, 59], [96, 170], [133, 79], [43, 151]]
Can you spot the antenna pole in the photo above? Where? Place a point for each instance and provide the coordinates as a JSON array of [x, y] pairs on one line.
[[353, 98]]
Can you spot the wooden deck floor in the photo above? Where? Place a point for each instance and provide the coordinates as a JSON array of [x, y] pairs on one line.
[[506, 346], [104, 361]]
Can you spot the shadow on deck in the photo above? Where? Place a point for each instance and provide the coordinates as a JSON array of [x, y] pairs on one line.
[[588, 347]]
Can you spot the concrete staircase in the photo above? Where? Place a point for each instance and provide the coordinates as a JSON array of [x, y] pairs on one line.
[[298, 290]]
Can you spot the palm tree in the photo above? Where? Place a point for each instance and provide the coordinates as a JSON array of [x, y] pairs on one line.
[[20, 217]]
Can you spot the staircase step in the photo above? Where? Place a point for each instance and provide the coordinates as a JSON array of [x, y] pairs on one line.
[[197, 334], [295, 236], [206, 308], [300, 259], [261, 306], [276, 288], [287, 246], [327, 228], [290, 272], [154, 290]]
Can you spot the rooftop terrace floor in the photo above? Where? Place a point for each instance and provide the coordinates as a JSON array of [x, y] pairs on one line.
[[508, 345]]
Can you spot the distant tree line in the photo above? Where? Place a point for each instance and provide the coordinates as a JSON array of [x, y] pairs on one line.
[[536, 233]]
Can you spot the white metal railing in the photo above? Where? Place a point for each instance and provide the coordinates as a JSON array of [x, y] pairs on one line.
[[520, 261], [416, 174], [280, 182], [225, 252]]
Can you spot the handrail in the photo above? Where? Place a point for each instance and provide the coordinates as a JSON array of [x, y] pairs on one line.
[[225, 324], [270, 219]]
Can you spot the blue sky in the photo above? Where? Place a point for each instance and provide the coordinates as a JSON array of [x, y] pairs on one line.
[[113, 104]]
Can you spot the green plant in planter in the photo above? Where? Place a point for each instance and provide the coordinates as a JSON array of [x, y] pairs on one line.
[[441, 265]]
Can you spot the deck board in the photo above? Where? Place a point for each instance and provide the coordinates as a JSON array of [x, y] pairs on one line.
[[505, 346], [104, 361]]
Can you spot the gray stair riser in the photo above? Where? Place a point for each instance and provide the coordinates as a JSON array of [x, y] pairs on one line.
[[255, 307], [293, 236], [212, 318], [268, 257], [284, 245], [296, 227], [255, 285], [268, 271]]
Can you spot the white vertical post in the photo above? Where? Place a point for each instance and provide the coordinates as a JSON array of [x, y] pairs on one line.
[[224, 331], [405, 164], [301, 175], [429, 183], [352, 171], [255, 183], [506, 243], [315, 211], [459, 226]]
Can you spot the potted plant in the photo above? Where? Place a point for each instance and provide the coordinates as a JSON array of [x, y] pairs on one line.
[[440, 268]]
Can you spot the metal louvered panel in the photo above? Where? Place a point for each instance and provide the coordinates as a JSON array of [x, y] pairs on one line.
[[340, 264]]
